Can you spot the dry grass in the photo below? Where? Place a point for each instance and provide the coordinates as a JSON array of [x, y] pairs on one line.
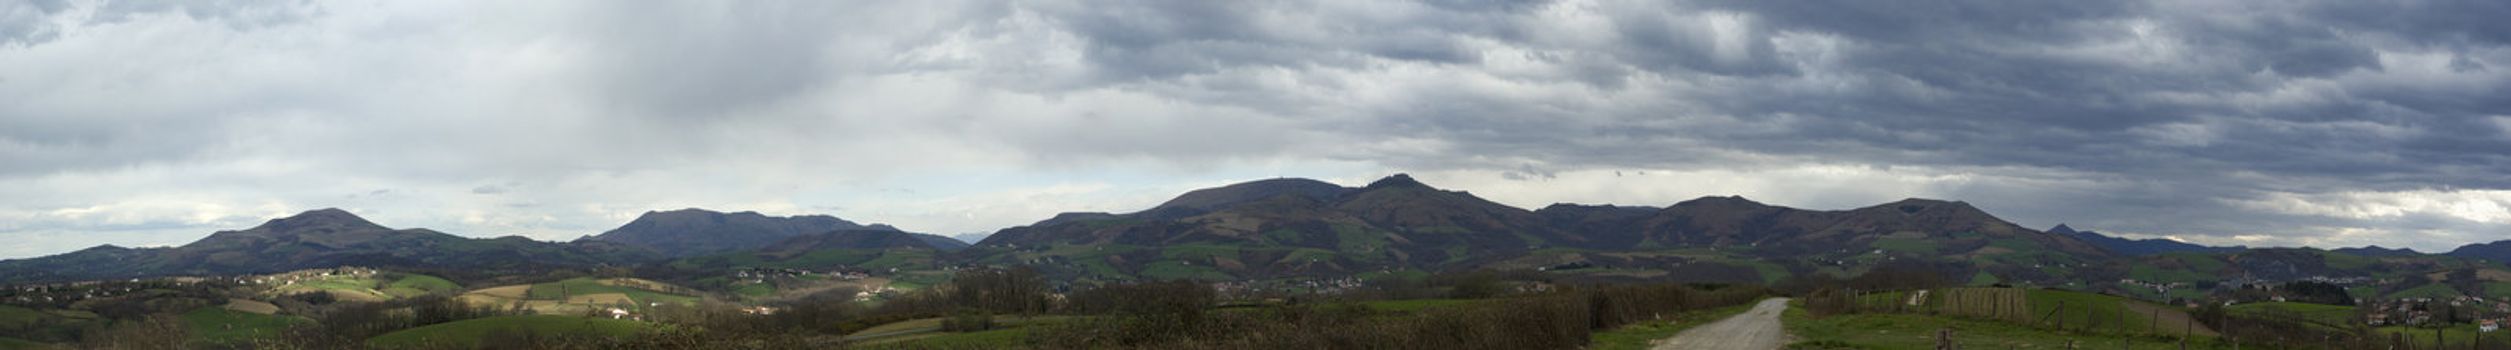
[[252, 306], [2169, 316], [515, 292], [367, 296], [791, 292], [601, 299], [506, 296], [638, 283]]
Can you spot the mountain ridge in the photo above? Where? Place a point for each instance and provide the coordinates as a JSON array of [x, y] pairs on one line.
[[693, 231], [1400, 222], [312, 239], [2139, 247]]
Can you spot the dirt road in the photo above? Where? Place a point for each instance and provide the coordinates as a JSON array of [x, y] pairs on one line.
[[1756, 329]]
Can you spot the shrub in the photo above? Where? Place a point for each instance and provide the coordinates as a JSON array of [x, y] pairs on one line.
[[968, 321]]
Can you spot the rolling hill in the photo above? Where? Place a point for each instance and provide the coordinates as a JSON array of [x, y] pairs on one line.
[[316, 239], [693, 232], [2497, 251]]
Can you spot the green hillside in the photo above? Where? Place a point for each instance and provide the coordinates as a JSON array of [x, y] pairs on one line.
[[7, 343], [468, 333], [14, 317], [368, 287], [2328, 317], [218, 325], [2435, 291], [415, 284]]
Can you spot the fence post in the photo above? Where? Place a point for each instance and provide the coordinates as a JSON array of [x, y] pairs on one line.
[[2091, 320], [2053, 313]]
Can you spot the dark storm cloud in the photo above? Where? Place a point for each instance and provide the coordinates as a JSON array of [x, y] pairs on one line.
[[2167, 97]]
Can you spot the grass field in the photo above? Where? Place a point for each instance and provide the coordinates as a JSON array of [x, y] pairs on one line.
[[416, 285], [1918, 331], [1640, 336], [2330, 317], [2096, 309], [19, 323], [252, 306], [12, 317], [754, 290], [7, 343], [2435, 291], [374, 287], [219, 325], [467, 333], [2045, 309]]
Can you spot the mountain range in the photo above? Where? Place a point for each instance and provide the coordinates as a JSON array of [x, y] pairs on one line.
[[1267, 229]]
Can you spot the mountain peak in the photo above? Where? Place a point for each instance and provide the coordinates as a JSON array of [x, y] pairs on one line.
[[682, 211], [1719, 202], [1925, 201], [102, 248], [1216, 198], [694, 231], [2062, 229], [1399, 180], [1913, 206], [326, 217]]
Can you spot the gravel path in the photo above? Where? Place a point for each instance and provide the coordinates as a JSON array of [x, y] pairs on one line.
[[1752, 330]]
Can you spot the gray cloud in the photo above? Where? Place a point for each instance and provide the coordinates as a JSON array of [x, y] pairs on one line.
[[2161, 118]]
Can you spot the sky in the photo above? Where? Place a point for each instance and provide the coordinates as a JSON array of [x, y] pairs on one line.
[[2315, 122]]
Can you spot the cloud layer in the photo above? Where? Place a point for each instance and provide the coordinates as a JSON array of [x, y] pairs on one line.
[[2320, 123]]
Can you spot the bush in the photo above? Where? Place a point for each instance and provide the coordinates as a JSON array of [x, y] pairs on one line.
[[1017, 290], [968, 321]]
